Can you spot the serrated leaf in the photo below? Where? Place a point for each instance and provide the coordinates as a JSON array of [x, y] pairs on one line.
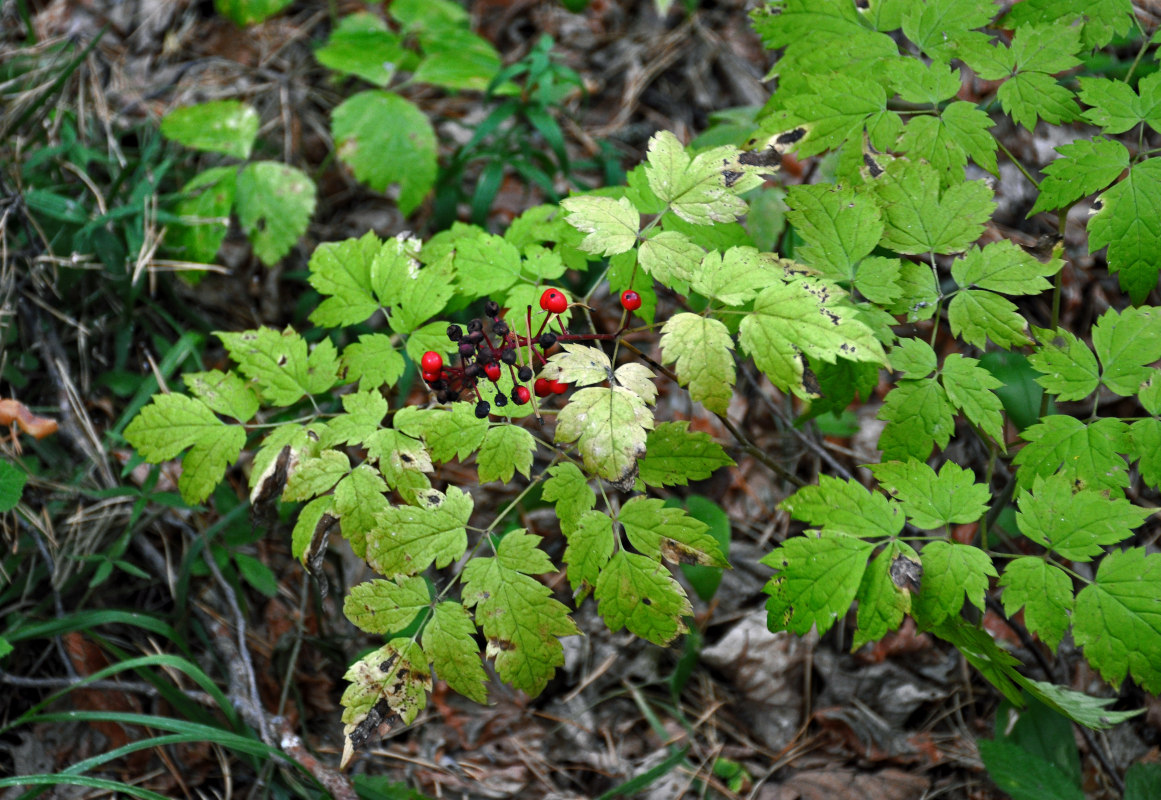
[[920, 293], [839, 227], [970, 127], [877, 279], [977, 316], [669, 533], [919, 415], [836, 108], [569, 489], [173, 422], [518, 616], [373, 361], [316, 475], [408, 539], [935, 26], [1116, 619], [1127, 343], [611, 225], [1076, 524], [919, 218], [1145, 437], [971, 389], [1099, 20], [1116, 108], [917, 82], [1083, 709], [590, 546], [448, 640], [914, 358], [506, 449], [1089, 454], [981, 651], [638, 593], [364, 413], [817, 577], [224, 392], [274, 203], [609, 426], [358, 502], [280, 365], [1028, 96], [362, 45], [458, 59], [379, 606], [219, 126], [1069, 368], [1126, 223], [1045, 593], [454, 433], [670, 257], [1085, 166], [386, 139], [804, 317], [1046, 48], [342, 270], [1003, 267], [847, 507], [397, 672], [413, 293], [578, 364], [485, 264], [204, 207], [933, 500], [951, 572], [882, 602], [674, 455], [700, 349], [1023, 775], [432, 336], [694, 189], [734, 277], [400, 458], [928, 139]]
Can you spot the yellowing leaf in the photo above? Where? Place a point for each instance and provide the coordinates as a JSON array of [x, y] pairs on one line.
[[701, 347], [611, 225], [609, 426]]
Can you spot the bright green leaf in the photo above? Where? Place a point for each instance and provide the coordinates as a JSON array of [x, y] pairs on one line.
[[449, 641], [505, 449], [919, 218], [274, 204], [280, 365], [1045, 593], [219, 126], [1069, 368], [638, 593], [818, 575], [1076, 524], [847, 507], [1085, 166], [933, 500], [609, 426], [408, 539], [674, 455], [1089, 454], [950, 572]]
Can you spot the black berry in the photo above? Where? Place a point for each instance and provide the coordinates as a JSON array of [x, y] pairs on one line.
[[492, 308], [471, 370], [524, 373], [475, 325], [482, 409], [455, 332], [467, 349], [508, 356], [476, 336], [500, 328], [501, 400], [547, 339]]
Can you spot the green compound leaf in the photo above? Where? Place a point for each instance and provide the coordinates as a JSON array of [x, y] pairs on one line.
[[1116, 620], [342, 271], [1117, 108], [674, 455], [485, 264], [224, 392], [1089, 455], [917, 82], [877, 280], [373, 361], [380, 606], [457, 59], [1126, 222], [933, 500], [696, 189], [1003, 267], [670, 258], [1127, 343], [506, 449], [1083, 709], [950, 572], [1046, 48], [279, 365], [882, 601], [413, 293], [448, 640], [847, 507], [396, 673], [635, 592], [1027, 96], [219, 126], [981, 651], [609, 426], [386, 139], [700, 349], [971, 389], [274, 204], [578, 364], [936, 26], [733, 278], [590, 546], [205, 208], [805, 317], [1100, 20], [931, 140], [1077, 525], [1145, 436], [918, 415], [364, 414], [611, 225], [408, 539], [837, 108], [920, 293], [316, 475], [914, 358], [569, 489], [1085, 166], [920, 218], [839, 227], [818, 575], [362, 45], [358, 502], [669, 533], [454, 433], [1023, 775], [517, 613], [1045, 593], [173, 422], [1069, 369], [970, 128], [976, 316]]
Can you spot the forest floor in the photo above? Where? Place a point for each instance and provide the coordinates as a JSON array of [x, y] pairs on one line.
[[735, 712]]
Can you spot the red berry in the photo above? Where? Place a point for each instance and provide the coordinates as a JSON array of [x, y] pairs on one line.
[[554, 300], [492, 371], [542, 387], [430, 377], [630, 300], [431, 361], [557, 387], [521, 395]]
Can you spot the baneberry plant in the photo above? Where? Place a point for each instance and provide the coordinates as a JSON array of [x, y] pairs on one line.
[[885, 270]]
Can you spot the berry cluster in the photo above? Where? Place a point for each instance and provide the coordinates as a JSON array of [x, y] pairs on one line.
[[483, 356]]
